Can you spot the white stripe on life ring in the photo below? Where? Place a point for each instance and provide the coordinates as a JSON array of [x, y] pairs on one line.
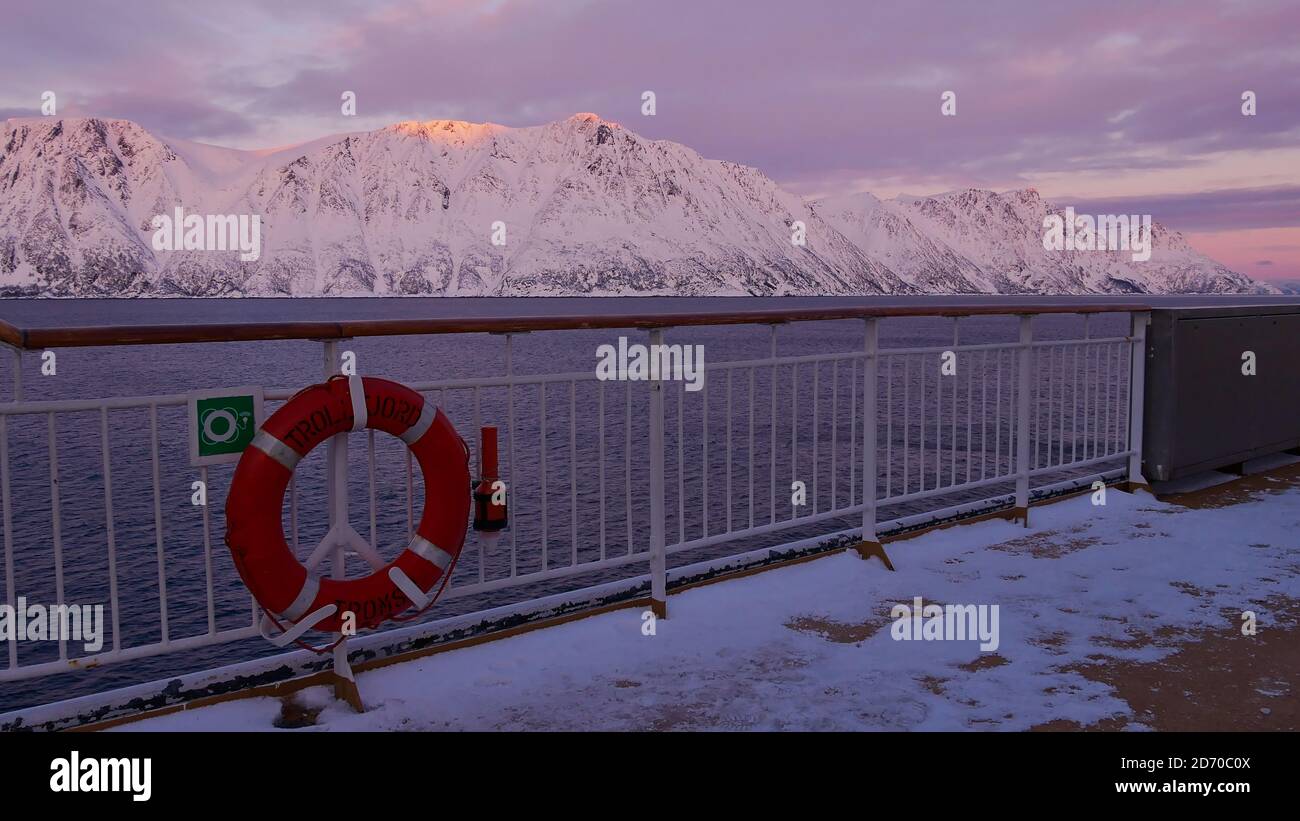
[[302, 602], [357, 391], [427, 415], [430, 552], [277, 450]]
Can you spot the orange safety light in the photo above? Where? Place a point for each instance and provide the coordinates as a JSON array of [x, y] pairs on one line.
[[490, 510]]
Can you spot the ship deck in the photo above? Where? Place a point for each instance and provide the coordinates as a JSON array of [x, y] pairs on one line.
[[1123, 616]]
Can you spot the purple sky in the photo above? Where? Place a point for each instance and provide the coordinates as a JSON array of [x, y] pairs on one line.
[[1125, 103]]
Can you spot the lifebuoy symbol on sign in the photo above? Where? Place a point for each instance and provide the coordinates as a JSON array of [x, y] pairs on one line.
[[231, 421]]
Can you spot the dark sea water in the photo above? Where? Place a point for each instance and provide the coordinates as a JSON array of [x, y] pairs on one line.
[[570, 456]]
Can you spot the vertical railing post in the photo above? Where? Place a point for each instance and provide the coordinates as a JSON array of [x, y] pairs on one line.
[[1021, 512], [870, 544], [336, 456], [510, 446], [658, 525], [336, 448], [7, 504], [771, 429], [1136, 397], [870, 346]]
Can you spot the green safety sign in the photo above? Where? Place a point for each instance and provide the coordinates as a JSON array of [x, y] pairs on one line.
[[223, 423]]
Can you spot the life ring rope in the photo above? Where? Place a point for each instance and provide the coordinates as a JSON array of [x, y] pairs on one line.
[[421, 609], [294, 632]]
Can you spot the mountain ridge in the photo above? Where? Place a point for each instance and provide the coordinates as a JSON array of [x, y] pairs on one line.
[[576, 206]]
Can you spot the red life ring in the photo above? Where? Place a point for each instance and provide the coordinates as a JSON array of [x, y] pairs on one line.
[[255, 534]]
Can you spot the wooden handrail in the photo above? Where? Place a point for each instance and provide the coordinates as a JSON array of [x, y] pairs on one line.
[[103, 335]]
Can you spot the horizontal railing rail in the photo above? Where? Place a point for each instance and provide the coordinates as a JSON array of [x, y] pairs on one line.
[[95, 336], [666, 472]]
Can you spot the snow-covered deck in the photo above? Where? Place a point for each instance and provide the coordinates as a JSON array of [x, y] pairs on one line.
[[1114, 616]]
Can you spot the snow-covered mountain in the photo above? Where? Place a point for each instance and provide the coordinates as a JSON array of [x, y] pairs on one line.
[[579, 206], [984, 242]]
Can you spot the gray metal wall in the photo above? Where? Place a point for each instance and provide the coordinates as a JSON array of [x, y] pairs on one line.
[[1201, 411]]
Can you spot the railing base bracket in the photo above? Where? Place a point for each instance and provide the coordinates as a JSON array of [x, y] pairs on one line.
[[1020, 514], [659, 608], [345, 681], [1134, 487], [345, 689], [868, 549]]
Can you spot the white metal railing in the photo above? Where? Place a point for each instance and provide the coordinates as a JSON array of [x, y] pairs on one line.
[[864, 429]]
